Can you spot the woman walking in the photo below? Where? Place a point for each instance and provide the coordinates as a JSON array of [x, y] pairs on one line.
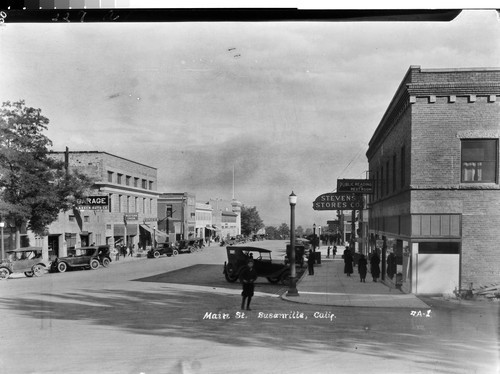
[[375, 266], [348, 260], [362, 268]]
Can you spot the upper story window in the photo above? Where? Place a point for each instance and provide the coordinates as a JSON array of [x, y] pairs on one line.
[[127, 180], [110, 176], [150, 185], [479, 160], [145, 184], [119, 178], [136, 182]]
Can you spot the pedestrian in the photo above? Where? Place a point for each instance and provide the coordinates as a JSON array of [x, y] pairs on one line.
[[328, 252], [247, 279], [362, 268], [348, 262], [374, 266], [391, 265], [116, 252], [131, 250], [310, 262], [334, 251]]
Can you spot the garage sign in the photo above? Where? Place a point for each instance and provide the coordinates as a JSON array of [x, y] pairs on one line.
[[93, 203]]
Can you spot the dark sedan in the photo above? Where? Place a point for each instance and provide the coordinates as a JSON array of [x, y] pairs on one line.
[[85, 257]]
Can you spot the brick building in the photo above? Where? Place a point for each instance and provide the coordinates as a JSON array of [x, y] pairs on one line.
[[177, 215], [130, 213], [435, 213]]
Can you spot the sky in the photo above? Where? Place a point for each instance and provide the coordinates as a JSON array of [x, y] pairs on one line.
[[291, 106]]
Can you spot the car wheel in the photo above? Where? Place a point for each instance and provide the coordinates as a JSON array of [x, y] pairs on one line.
[[230, 275], [29, 274], [38, 270], [156, 254], [4, 273], [192, 249], [175, 252], [62, 267], [94, 264], [105, 262], [273, 280]]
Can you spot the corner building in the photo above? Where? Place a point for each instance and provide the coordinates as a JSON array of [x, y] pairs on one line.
[[131, 214], [434, 157]]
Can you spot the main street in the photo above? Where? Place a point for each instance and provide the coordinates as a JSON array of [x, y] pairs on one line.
[[151, 316]]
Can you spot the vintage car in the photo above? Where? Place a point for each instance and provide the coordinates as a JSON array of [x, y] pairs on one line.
[[191, 245], [299, 254], [163, 249], [238, 257], [85, 257], [26, 260]]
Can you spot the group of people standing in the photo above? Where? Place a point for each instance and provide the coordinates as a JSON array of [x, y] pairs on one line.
[[362, 265]]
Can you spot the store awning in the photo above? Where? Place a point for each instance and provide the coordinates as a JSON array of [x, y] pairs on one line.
[[147, 228]]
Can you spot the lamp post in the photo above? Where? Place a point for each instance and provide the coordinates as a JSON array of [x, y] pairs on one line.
[[292, 290], [319, 236], [2, 225], [314, 237]]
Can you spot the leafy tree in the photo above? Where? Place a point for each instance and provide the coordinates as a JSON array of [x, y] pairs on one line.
[[34, 187], [299, 231], [284, 231], [272, 232], [250, 220]]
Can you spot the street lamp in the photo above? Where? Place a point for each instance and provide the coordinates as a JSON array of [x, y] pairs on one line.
[[292, 290], [314, 237], [319, 236], [2, 225]]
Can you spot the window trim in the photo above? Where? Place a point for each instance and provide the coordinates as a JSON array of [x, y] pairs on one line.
[[496, 160]]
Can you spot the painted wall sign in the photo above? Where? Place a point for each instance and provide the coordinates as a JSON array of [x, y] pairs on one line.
[[93, 203], [338, 201], [364, 186]]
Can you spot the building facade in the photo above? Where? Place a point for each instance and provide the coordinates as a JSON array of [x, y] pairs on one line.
[[434, 157], [177, 215], [121, 209], [226, 217], [204, 227]]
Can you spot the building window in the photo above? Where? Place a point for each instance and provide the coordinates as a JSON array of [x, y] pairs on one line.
[[71, 218], [394, 186], [479, 160], [120, 197], [403, 162], [145, 184], [150, 185], [86, 219], [381, 181], [110, 176], [127, 180], [119, 178], [387, 178], [136, 182]]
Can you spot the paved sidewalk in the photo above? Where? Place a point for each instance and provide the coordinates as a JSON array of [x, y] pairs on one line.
[[330, 286]]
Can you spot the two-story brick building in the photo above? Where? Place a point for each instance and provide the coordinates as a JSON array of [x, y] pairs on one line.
[[130, 213], [435, 213]]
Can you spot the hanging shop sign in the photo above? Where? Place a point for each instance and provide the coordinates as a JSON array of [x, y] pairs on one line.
[[93, 203], [363, 186], [338, 201], [131, 217]]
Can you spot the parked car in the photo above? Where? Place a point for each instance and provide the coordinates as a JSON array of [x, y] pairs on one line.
[[299, 254], [238, 257], [26, 260], [163, 249], [85, 257]]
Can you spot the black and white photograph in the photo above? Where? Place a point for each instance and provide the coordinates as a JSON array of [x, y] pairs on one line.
[[279, 188]]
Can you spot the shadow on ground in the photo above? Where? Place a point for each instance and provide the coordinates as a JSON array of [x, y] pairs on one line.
[[440, 343]]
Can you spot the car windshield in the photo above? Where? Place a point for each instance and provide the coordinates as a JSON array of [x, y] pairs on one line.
[[24, 255]]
